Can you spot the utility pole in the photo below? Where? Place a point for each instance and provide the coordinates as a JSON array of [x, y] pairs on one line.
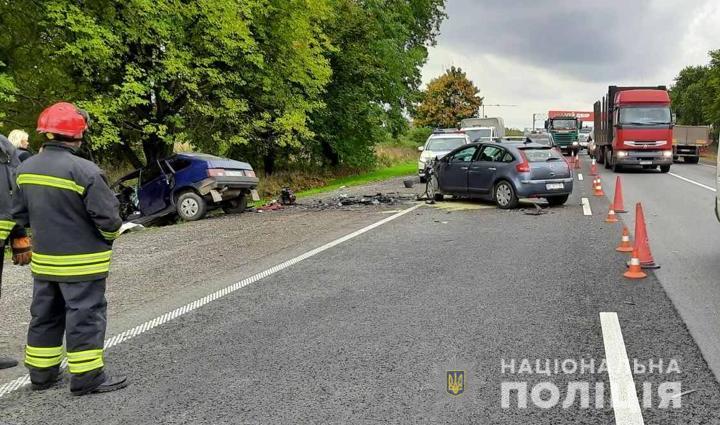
[[534, 119]]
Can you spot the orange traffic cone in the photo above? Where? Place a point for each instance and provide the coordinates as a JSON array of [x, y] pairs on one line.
[[598, 188], [642, 245], [593, 168], [635, 271], [611, 217], [618, 202], [625, 245], [577, 162]]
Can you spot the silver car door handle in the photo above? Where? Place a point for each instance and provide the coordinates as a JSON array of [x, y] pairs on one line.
[[492, 169]]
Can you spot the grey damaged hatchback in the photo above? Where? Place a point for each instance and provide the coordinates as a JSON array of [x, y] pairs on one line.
[[503, 172]]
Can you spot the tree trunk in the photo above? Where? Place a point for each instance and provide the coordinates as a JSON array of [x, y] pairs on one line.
[[269, 160], [154, 148], [130, 155], [329, 153]]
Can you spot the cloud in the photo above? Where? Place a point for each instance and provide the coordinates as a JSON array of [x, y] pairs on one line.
[[563, 54]]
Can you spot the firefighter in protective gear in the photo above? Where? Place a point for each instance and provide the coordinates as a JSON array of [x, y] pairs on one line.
[[74, 217], [20, 243]]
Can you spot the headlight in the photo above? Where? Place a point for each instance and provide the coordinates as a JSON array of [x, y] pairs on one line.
[[667, 154], [575, 143], [622, 154]]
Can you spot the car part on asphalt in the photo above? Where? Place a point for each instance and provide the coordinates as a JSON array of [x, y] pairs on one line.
[[287, 196]]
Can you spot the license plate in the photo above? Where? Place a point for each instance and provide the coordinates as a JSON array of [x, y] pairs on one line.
[[254, 194], [554, 186], [645, 162], [231, 173]]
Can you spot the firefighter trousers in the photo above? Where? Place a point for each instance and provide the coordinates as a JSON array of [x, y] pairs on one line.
[[78, 310]]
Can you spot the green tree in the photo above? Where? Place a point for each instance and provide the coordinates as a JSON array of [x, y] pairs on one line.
[[689, 95], [380, 47], [447, 100]]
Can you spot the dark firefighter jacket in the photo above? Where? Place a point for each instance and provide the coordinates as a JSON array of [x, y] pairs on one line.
[[73, 214], [9, 161]]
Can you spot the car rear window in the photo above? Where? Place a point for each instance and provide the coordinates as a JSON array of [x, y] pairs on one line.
[[541, 154], [445, 143]]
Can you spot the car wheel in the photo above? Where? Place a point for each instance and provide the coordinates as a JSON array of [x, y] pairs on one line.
[[556, 201], [504, 195], [599, 155], [608, 158], [235, 206], [692, 159], [664, 168], [434, 189], [191, 206]]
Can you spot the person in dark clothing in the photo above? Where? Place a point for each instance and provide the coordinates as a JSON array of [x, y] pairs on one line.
[[75, 218], [20, 140], [19, 241]]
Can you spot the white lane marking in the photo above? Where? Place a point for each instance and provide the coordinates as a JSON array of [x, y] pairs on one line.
[[140, 329], [693, 182], [586, 206], [580, 176], [622, 386]]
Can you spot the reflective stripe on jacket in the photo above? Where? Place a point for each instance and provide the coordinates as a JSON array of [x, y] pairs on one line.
[[73, 213]]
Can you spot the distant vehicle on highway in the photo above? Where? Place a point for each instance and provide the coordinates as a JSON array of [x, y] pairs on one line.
[[496, 123], [543, 138], [439, 143], [503, 173], [584, 136], [480, 134], [688, 140], [633, 126], [187, 185], [564, 130]]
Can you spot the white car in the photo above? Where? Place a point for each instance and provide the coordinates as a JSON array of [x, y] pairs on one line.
[[584, 136], [438, 145]]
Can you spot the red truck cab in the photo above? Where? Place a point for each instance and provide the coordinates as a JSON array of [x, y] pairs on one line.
[[636, 128]]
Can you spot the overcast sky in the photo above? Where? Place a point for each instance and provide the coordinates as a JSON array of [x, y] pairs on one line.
[[562, 54]]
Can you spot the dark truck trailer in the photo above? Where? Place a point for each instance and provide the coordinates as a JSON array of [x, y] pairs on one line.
[[688, 140], [633, 126]]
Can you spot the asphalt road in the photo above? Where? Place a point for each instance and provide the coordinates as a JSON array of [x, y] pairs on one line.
[[683, 233], [365, 329]]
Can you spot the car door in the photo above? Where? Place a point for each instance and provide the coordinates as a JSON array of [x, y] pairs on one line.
[[453, 177], [154, 192], [483, 170]]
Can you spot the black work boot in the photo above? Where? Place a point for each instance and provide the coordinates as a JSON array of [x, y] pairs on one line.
[[53, 382], [111, 383], [7, 362]]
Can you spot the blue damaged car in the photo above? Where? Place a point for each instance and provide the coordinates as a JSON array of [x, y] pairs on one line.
[[186, 185]]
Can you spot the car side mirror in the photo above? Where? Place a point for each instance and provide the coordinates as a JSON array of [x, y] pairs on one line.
[[421, 148]]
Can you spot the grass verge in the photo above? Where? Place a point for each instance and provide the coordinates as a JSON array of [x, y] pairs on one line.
[[399, 170]]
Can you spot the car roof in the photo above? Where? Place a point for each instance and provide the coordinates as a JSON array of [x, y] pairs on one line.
[[447, 135]]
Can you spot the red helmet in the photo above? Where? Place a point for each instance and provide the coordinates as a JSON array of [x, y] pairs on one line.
[[63, 119]]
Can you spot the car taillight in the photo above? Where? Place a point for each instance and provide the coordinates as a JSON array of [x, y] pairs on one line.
[[250, 173], [524, 165], [216, 172]]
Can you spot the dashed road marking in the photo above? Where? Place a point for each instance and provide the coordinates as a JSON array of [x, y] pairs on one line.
[[693, 182], [140, 329], [580, 176], [586, 206], [622, 386]]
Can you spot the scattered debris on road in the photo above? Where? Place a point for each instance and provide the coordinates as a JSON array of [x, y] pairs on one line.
[[287, 196]]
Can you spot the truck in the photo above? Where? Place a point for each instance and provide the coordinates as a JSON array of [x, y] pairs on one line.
[[496, 124], [687, 141], [565, 131], [633, 126]]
